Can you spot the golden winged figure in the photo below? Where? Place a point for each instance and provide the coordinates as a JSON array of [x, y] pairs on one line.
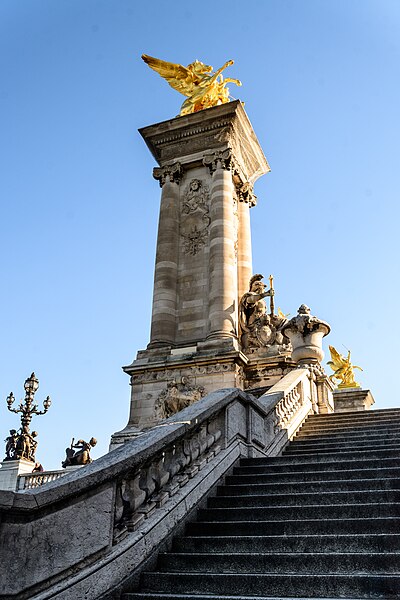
[[202, 87], [344, 370]]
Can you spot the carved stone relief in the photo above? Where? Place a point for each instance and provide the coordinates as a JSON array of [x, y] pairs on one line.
[[195, 219], [172, 374], [176, 397]]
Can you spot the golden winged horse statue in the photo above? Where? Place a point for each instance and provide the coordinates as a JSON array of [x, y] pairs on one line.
[[344, 370], [202, 87]]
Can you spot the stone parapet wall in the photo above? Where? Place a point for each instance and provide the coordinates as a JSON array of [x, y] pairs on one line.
[[95, 528]]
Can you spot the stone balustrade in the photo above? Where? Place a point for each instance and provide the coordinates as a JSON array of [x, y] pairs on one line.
[[94, 529], [28, 481]]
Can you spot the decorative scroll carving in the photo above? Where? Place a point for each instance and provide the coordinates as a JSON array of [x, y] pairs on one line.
[[172, 374], [170, 173], [219, 160], [195, 218], [245, 194], [176, 397]]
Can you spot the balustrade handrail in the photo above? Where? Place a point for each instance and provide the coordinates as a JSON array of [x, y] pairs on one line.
[[38, 478], [132, 454], [174, 464]]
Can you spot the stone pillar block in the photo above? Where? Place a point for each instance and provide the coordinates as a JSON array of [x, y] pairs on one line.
[[347, 400]]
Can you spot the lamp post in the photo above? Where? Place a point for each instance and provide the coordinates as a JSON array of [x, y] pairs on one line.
[[23, 445]]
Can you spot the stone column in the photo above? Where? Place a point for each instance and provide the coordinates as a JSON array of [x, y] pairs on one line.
[[166, 268], [223, 272], [246, 200]]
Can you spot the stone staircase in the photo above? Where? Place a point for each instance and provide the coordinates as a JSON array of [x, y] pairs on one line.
[[321, 521]]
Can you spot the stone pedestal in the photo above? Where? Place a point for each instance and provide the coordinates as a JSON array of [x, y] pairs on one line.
[[265, 367], [351, 399], [208, 163], [9, 471]]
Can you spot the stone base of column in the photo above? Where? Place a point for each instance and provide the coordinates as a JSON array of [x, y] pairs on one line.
[[165, 382], [9, 471], [265, 367], [351, 399]]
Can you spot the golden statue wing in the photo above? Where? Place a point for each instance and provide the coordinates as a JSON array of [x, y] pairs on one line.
[[179, 77], [337, 359]]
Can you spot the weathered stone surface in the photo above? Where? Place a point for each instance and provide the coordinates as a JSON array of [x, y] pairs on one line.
[[352, 399], [209, 162], [85, 526], [73, 533]]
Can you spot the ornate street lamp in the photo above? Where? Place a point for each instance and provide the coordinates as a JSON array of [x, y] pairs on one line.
[[23, 444]]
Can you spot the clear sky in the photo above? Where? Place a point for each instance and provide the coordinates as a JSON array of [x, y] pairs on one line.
[[79, 207]]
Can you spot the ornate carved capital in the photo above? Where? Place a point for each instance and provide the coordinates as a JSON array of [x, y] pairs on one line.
[[219, 160], [170, 173], [245, 194]]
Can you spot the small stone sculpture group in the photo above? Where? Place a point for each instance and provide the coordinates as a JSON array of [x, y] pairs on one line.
[[258, 328], [78, 454], [21, 445]]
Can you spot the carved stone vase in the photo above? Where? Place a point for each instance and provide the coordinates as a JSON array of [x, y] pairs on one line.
[[305, 333]]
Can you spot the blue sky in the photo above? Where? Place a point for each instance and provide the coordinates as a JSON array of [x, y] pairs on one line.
[[80, 208]]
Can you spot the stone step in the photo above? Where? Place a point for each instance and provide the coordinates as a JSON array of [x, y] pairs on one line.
[[293, 511], [281, 464], [333, 445], [356, 416], [289, 543], [252, 499], [373, 453], [355, 429], [359, 460], [254, 475], [295, 526], [322, 585], [280, 563], [159, 596], [321, 485], [326, 437], [289, 451]]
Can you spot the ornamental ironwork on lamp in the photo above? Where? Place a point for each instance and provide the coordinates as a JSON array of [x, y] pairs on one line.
[[22, 444]]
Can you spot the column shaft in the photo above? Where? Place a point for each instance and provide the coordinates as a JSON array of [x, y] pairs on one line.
[[223, 275], [245, 263], [163, 321]]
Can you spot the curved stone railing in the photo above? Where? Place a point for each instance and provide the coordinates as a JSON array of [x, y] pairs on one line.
[[93, 529], [28, 481]]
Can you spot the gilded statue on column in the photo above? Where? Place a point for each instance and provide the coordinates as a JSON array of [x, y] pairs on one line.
[[344, 369], [202, 87]]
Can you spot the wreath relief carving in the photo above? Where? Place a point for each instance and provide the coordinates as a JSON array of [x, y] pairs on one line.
[[177, 396], [195, 218]]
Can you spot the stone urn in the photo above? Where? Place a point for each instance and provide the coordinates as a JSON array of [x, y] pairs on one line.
[[305, 333]]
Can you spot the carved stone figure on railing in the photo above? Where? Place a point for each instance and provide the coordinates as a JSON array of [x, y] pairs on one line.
[[81, 454], [259, 329]]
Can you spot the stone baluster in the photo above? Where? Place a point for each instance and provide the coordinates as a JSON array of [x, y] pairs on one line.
[[223, 272], [166, 268]]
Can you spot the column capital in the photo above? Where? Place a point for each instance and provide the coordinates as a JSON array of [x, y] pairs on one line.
[[169, 173], [246, 194], [219, 160]]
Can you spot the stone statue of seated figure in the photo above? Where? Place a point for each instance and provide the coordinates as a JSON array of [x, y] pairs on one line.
[[82, 454], [259, 329]]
